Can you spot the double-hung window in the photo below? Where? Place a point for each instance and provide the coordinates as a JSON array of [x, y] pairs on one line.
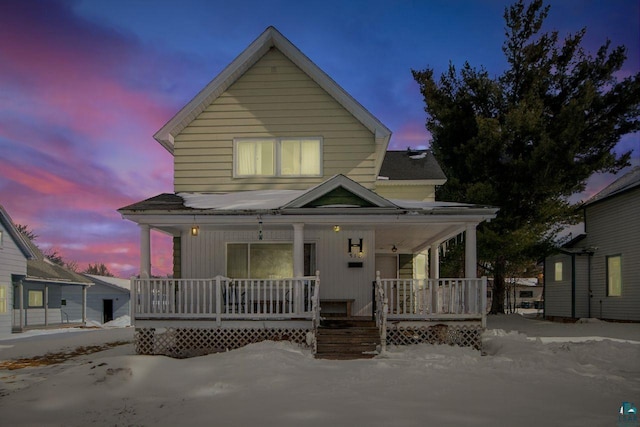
[[282, 157]]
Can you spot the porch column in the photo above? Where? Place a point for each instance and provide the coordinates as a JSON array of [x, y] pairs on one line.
[[46, 304], [145, 251], [434, 261], [298, 263], [21, 302], [84, 305], [470, 252]]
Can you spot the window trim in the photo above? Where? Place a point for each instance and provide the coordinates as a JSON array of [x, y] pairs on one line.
[[277, 167], [41, 292], [608, 284]]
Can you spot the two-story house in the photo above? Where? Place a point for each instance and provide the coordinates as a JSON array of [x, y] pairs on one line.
[[286, 205], [597, 274]]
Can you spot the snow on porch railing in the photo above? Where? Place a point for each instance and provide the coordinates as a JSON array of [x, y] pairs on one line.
[[223, 298], [430, 298]]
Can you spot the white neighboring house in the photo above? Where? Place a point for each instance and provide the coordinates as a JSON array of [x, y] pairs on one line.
[[597, 274], [14, 253], [107, 299]]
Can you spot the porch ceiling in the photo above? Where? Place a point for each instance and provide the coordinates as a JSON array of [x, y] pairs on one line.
[[412, 238]]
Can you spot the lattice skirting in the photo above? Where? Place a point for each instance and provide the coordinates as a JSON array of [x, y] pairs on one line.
[[463, 335], [190, 342]]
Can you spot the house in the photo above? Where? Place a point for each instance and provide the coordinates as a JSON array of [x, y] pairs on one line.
[[287, 208], [14, 253], [37, 297], [107, 299], [597, 274]]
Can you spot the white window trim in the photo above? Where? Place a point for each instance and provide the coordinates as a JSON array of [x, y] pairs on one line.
[[278, 156]]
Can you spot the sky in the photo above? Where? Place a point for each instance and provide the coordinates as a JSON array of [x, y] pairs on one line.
[[84, 85]]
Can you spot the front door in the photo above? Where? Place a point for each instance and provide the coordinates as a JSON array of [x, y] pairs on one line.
[[107, 310]]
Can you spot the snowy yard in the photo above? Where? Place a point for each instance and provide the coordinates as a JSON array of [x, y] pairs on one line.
[[555, 375]]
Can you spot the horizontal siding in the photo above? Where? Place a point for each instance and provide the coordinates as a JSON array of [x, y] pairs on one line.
[[425, 193], [12, 261], [272, 99], [557, 298], [95, 296], [613, 227]]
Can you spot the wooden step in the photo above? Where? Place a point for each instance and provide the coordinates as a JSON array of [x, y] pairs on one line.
[[347, 339]]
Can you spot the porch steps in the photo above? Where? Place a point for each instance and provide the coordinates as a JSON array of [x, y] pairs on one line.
[[345, 339]]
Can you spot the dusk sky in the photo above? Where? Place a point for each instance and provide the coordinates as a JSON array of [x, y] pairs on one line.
[[85, 84]]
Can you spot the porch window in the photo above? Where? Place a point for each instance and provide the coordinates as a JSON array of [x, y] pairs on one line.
[[288, 157], [614, 276], [558, 271], [36, 299], [3, 299], [266, 260]]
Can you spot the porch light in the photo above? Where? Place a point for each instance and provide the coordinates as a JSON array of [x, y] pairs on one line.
[[195, 230], [355, 249], [336, 228], [394, 249]]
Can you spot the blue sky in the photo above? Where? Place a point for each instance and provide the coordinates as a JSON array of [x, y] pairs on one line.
[[85, 84]]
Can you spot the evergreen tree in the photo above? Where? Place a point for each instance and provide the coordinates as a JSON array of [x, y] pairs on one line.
[[527, 140]]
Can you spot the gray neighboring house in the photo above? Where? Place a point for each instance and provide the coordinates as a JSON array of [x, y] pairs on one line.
[[107, 299], [37, 297], [14, 253], [598, 274]]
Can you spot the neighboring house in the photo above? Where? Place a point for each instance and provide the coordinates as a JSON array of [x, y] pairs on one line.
[[14, 253], [107, 299], [524, 292], [37, 297], [287, 203], [598, 274]]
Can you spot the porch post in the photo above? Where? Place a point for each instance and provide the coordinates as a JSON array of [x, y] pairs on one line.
[[145, 251], [46, 304], [84, 305], [21, 302], [434, 261], [470, 252], [298, 262]]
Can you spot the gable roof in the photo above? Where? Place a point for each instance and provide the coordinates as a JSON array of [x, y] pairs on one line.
[[270, 38], [116, 283], [42, 269], [626, 182], [411, 165], [18, 238]]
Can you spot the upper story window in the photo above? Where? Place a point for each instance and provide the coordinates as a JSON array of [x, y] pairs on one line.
[[290, 157]]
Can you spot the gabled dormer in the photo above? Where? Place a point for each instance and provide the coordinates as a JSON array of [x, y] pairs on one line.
[[272, 119]]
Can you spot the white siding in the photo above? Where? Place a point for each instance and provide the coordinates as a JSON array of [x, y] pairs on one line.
[[613, 228], [205, 256], [12, 261]]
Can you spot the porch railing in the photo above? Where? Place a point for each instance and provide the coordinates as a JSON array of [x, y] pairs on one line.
[[435, 298], [223, 298]]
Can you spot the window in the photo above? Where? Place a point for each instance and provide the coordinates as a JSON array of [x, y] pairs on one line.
[[36, 298], [266, 260], [526, 294], [287, 157], [614, 276], [558, 271], [0, 238], [3, 299]]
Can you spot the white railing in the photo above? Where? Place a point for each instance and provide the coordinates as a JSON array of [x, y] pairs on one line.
[[315, 310], [435, 298], [223, 298]]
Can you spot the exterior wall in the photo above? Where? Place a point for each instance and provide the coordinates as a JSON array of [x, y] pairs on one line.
[[36, 315], [12, 261], [557, 294], [613, 228], [274, 98], [205, 256], [582, 286], [95, 296], [426, 193]]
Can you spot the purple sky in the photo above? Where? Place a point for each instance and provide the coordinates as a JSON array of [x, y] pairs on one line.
[[84, 85]]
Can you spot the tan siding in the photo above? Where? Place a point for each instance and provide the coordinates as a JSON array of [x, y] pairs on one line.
[[272, 99], [425, 193], [613, 227]]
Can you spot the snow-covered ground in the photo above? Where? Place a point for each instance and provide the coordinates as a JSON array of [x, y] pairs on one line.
[[572, 376]]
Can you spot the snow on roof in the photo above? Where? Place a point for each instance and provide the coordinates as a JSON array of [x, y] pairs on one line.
[[242, 200], [114, 281]]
